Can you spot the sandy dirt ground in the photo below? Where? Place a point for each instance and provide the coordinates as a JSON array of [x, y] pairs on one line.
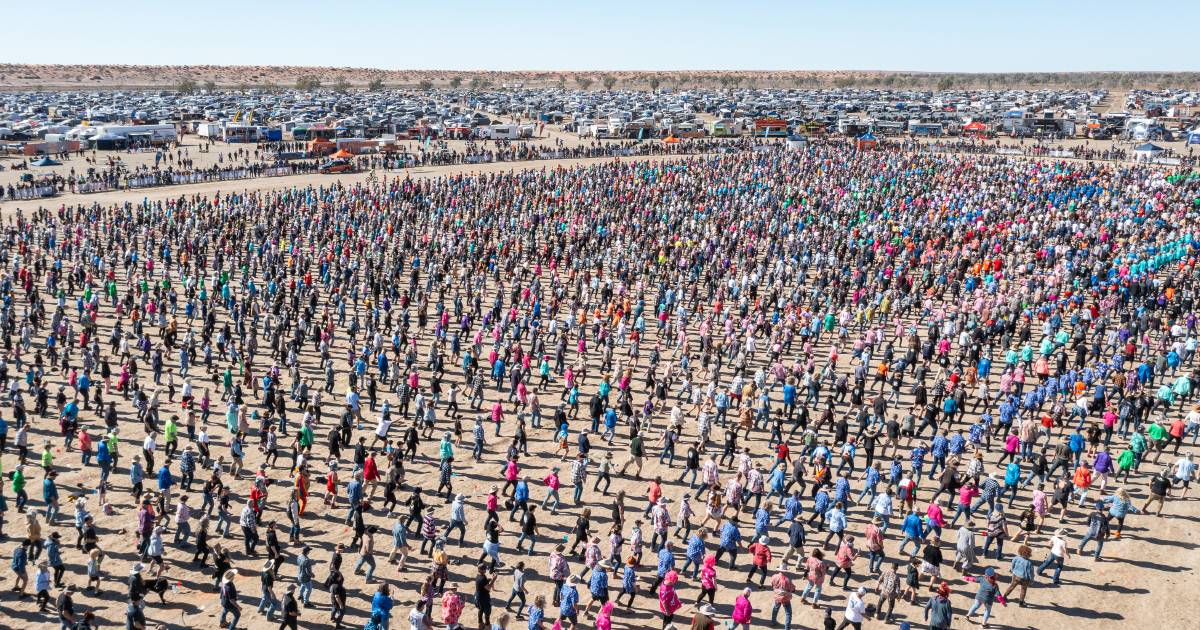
[[1144, 580]]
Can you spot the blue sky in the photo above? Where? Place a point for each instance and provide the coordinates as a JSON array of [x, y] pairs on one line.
[[1017, 35]]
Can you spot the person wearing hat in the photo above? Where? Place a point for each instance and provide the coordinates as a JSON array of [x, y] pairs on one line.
[[229, 600], [50, 496], [269, 601], [137, 584], [988, 591], [782, 590], [291, 609], [552, 484], [1059, 551], [41, 585], [458, 518], [65, 605], [760, 555], [568, 598], [856, 609], [304, 573], [53, 546], [705, 618]]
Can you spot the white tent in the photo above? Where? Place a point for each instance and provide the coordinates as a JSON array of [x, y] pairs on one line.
[[1146, 151]]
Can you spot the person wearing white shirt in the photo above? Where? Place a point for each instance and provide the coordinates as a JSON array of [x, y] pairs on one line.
[[855, 609], [148, 446], [1185, 469]]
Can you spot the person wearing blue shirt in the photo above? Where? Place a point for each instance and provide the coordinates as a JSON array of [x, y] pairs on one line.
[[917, 461], [50, 496], [957, 444], [896, 471], [722, 403], [598, 586], [354, 494], [762, 521], [777, 482], [731, 538], [569, 600], [792, 507], [381, 604], [836, 516], [870, 482], [789, 399], [1012, 481], [536, 613], [1076, 442], [666, 562], [498, 374], [938, 449], [912, 531], [841, 489], [694, 553]]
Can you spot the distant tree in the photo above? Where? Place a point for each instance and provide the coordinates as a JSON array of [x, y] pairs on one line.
[[425, 85], [455, 82], [945, 83], [375, 85], [654, 83], [186, 86], [476, 83], [609, 81], [583, 82], [210, 86], [341, 85], [308, 83]]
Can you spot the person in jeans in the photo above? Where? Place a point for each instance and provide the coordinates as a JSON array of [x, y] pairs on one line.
[[985, 596], [782, 588], [268, 601], [1022, 572], [229, 600], [1059, 552]]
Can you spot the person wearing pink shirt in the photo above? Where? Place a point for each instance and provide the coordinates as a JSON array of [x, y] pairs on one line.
[[497, 415], [935, 518], [552, 484], [742, 610]]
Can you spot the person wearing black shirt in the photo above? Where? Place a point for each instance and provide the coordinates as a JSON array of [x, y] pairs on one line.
[[274, 550], [291, 609], [483, 595], [200, 558], [691, 465], [528, 530], [337, 600], [66, 607], [1160, 488], [137, 584], [220, 562]]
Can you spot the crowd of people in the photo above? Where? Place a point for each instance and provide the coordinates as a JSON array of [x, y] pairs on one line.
[[888, 385]]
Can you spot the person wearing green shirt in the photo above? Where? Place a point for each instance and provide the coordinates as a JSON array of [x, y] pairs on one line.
[[1158, 438], [1125, 463], [171, 435], [47, 456], [112, 448], [306, 437], [18, 488]]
